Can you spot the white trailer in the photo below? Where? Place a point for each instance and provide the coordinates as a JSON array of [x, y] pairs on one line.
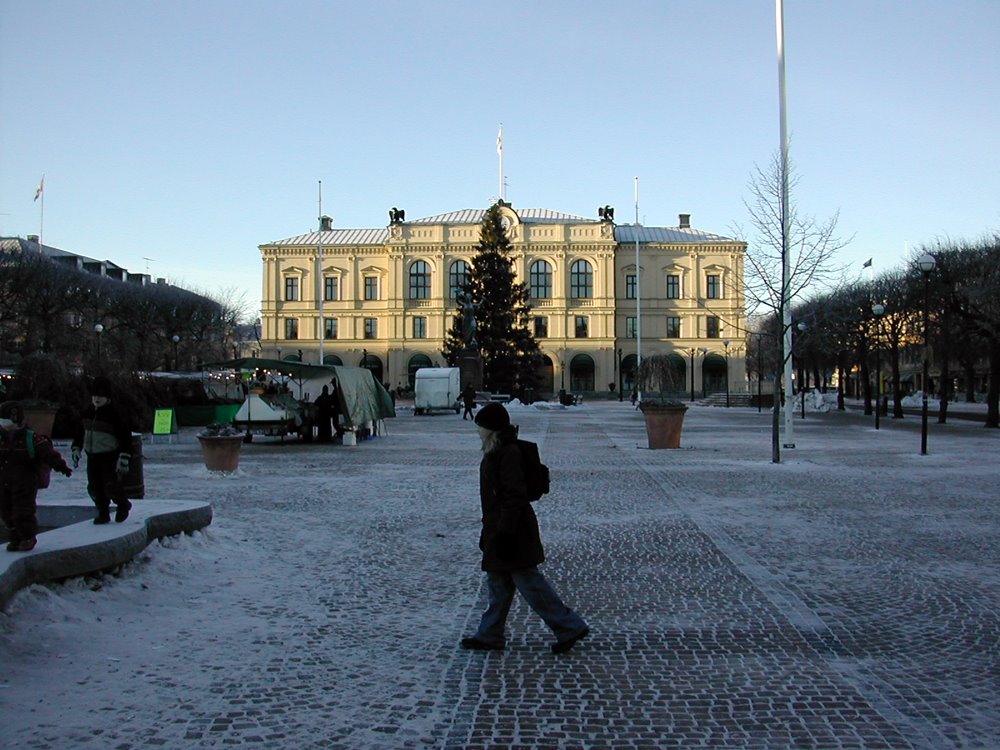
[[437, 388]]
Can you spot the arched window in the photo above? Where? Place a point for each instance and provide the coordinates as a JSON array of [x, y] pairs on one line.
[[581, 280], [628, 373], [416, 362], [458, 277], [581, 373], [332, 359], [420, 280], [373, 363], [540, 280]]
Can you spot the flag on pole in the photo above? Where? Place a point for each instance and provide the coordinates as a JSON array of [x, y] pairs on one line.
[[867, 263], [500, 141], [40, 189]]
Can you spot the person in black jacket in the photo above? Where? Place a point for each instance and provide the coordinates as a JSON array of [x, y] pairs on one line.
[[511, 544], [19, 476], [469, 401], [107, 439]]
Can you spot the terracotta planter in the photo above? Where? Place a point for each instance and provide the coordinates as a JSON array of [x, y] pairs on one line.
[[40, 419], [663, 425], [221, 453]]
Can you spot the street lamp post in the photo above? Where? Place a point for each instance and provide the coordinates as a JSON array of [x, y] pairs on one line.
[[692, 373], [704, 353], [98, 329], [802, 390], [878, 310], [725, 345], [926, 262], [621, 379], [175, 339], [760, 370]]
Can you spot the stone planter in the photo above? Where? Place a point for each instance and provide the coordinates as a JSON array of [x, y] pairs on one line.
[[222, 452], [663, 424]]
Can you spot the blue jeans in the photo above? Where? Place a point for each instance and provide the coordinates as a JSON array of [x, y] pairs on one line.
[[539, 595]]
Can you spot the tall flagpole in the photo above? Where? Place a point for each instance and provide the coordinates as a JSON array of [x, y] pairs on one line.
[[502, 192], [40, 193], [319, 274], [786, 308], [638, 295]]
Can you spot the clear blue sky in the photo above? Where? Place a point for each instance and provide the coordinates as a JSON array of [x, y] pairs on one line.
[[190, 132]]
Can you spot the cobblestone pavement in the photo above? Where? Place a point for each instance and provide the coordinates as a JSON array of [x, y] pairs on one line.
[[847, 598]]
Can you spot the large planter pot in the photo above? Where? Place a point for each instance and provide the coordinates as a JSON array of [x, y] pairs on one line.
[[221, 453], [40, 419], [663, 425]]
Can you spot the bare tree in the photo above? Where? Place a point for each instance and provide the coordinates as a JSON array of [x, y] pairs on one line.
[[809, 247]]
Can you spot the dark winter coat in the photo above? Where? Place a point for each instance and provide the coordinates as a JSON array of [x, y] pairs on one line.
[[509, 538], [17, 468], [103, 430]]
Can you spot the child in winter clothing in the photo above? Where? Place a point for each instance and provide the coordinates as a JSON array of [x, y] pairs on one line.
[[106, 437], [19, 476]]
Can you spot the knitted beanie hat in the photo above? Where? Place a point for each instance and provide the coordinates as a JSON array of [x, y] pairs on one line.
[[493, 417], [101, 387]]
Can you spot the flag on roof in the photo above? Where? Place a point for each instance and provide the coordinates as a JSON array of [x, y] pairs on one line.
[[40, 189], [867, 263], [500, 141]]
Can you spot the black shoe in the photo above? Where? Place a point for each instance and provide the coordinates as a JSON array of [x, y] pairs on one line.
[[121, 511], [563, 646], [25, 545], [474, 644], [103, 516]]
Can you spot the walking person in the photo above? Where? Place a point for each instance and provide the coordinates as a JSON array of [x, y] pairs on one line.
[[511, 544], [469, 400], [324, 416], [20, 478], [107, 439]]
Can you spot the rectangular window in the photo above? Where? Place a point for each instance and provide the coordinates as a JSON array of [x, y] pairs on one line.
[[420, 328], [371, 328], [329, 328], [541, 328], [713, 286], [630, 286], [582, 326], [673, 286], [291, 328], [712, 327], [330, 288], [631, 329], [673, 327], [291, 289], [371, 288]]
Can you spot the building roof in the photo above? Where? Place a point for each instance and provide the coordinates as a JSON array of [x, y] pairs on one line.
[[624, 233], [526, 215]]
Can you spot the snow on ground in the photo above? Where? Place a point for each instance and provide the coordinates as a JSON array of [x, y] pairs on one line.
[[350, 573]]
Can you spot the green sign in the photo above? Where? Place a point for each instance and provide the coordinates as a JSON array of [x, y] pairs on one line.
[[164, 422]]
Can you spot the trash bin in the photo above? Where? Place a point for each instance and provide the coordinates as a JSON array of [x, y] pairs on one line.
[[133, 482]]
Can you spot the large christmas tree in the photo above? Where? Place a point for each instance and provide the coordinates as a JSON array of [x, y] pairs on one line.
[[509, 352]]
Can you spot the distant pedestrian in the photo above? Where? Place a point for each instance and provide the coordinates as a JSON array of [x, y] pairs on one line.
[[324, 416], [511, 544], [104, 434], [20, 476], [469, 400]]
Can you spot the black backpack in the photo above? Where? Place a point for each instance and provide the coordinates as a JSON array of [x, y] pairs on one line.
[[536, 474]]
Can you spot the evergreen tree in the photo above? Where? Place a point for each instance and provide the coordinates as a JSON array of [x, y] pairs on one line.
[[509, 352]]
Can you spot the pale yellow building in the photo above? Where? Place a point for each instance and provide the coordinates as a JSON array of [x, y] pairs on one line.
[[385, 298]]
